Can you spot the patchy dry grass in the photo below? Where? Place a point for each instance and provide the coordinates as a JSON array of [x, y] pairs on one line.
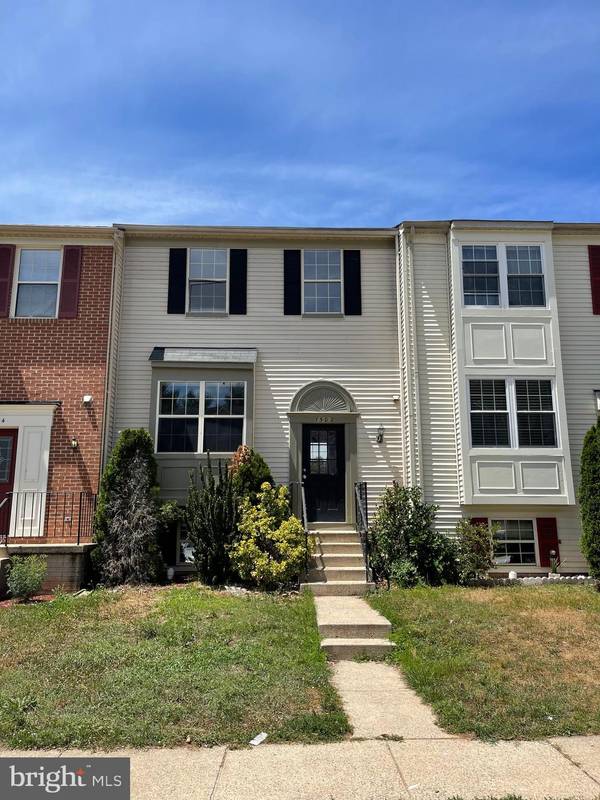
[[145, 667], [506, 662]]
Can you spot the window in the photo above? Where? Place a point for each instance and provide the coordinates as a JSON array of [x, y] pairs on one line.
[[489, 414], [535, 413], [223, 416], [506, 275], [525, 276], [208, 281], [322, 282], [323, 452], [37, 283], [514, 541], [481, 281], [178, 413], [186, 425]]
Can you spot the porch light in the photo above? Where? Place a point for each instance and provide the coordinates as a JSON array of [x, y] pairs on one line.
[[380, 432], [87, 400], [597, 399], [74, 443]]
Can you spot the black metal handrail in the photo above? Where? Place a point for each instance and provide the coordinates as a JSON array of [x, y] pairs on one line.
[[298, 506], [362, 520], [68, 516]]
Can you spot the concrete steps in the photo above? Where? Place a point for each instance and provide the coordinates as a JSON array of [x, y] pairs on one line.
[[349, 628], [347, 649], [339, 588]]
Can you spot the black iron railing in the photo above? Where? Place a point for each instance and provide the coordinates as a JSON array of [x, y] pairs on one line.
[[59, 516], [298, 506], [361, 508]]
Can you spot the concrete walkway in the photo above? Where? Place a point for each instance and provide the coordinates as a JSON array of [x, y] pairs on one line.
[[378, 702], [422, 769]]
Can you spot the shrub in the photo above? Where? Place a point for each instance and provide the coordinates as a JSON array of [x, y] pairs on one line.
[[26, 575], [402, 533], [589, 499], [272, 550], [127, 521], [211, 517], [475, 547], [249, 471], [403, 573]]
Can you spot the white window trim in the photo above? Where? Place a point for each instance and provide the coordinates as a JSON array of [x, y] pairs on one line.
[[521, 518], [200, 417], [502, 275], [16, 281], [341, 282], [511, 394], [188, 279]]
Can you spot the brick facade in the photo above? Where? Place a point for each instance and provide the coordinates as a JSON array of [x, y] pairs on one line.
[[63, 359]]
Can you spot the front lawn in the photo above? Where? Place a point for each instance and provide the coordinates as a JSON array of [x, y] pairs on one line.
[[147, 667], [501, 663]]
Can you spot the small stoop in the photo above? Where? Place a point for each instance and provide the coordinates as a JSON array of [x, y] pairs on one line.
[[337, 566], [349, 627]]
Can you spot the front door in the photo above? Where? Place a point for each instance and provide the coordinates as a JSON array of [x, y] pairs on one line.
[[8, 453], [324, 472]]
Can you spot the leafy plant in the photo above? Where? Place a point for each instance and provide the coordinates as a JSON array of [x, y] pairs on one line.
[[272, 550], [402, 531], [249, 471], [589, 499], [211, 517], [475, 545], [127, 521], [26, 576]]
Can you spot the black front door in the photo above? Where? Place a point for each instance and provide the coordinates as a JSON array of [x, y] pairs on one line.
[[324, 472]]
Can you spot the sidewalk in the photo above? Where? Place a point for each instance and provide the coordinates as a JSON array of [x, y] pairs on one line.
[[367, 770]]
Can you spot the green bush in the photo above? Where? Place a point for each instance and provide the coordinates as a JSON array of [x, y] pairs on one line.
[[272, 549], [26, 575], [475, 547], [128, 517], [402, 533], [589, 499], [211, 517], [249, 471]]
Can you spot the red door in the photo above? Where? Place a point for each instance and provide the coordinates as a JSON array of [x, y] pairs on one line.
[[8, 454]]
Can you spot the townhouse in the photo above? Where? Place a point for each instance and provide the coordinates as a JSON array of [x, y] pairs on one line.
[[461, 356], [500, 355], [55, 306]]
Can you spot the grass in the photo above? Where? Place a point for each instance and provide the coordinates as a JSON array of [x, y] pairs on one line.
[[145, 667], [501, 663]]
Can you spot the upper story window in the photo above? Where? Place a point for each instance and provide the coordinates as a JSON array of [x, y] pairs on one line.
[[526, 407], [489, 414], [481, 277], [202, 416], [322, 282], [509, 276], [535, 413], [207, 281], [38, 279], [525, 276]]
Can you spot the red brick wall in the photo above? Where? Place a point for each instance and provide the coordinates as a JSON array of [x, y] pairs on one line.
[[63, 359]]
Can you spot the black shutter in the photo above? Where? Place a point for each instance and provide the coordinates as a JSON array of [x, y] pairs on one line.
[[292, 282], [177, 279], [352, 290], [238, 281]]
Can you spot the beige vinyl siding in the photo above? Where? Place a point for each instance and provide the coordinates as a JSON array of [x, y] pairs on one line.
[[113, 345], [360, 353], [580, 344], [435, 380]]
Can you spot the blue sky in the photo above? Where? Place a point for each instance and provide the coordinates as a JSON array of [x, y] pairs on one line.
[[298, 113]]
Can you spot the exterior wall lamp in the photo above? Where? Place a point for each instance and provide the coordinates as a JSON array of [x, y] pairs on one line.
[[74, 443], [597, 399], [380, 432], [86, 400]]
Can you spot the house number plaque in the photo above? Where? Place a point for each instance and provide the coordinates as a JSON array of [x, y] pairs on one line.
[[324, 419]]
